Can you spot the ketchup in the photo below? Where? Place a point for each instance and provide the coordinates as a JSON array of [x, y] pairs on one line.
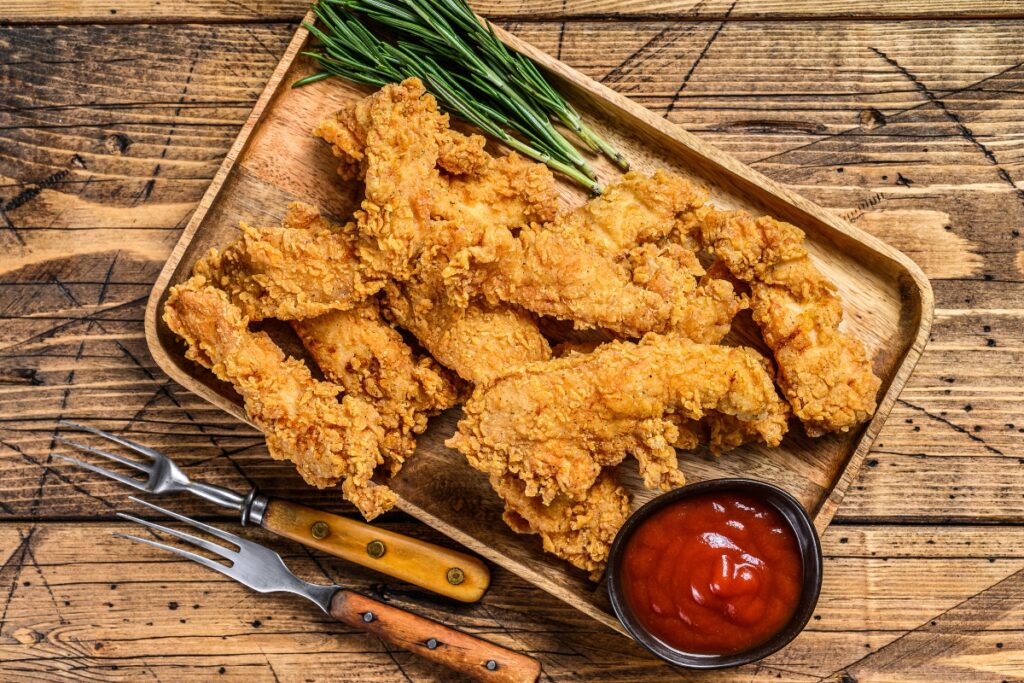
[[714, 574]]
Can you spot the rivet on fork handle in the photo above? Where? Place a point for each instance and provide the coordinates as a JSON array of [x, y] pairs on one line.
[[438, 569], [479, 659]]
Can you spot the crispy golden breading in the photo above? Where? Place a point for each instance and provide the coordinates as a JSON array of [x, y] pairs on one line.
[[359, 350], [579, 531], [328, 440], [398, 139], [555, 424], [477, 342], [719, 431], [607, 265], [302, 269], [402, 184], [468, 219], [825, 374], [726, 432], [495, 231], [722, 433], [636, 209], [345, 131], [469, 248]]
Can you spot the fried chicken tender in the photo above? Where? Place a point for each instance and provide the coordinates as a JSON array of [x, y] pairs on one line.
[[398, 138], [328, 440], [607, 265], [825, 374], [721, 432], [465, 217], [346, 132], [478, 342], [555, 424], [581, 531], [359, 350], [302, 269], [475, 338]]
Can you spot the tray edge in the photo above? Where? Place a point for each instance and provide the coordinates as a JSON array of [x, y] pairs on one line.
[[922, 306]]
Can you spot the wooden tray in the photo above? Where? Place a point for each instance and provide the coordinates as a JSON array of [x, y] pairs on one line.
[[888, 303]]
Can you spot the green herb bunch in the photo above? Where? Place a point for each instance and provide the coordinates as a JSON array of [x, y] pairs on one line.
[[465, 65]]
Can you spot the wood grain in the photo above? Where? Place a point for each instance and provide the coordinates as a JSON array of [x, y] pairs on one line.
[[401, 557], [108, 11], [809, 103], [69, 613]]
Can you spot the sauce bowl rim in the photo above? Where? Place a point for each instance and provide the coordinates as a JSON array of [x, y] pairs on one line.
[[811, 563]]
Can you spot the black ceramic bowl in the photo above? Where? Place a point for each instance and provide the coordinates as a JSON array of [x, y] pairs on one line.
[[810, 552]]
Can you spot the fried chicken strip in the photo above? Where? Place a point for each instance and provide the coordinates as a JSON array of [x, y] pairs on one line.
[[328, 440], [477, 342], [346, 132], [300, 270], [580, 532], [555, 424], [475, 338], [604, 265], [418, 226], [825, 375], [719, 431], [360, 351]]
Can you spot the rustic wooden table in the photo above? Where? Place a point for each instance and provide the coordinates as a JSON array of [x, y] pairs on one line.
[[904, 116]]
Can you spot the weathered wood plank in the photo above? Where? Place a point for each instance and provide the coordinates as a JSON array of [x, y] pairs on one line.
[[106, 11], [71, 614], [108, 136]]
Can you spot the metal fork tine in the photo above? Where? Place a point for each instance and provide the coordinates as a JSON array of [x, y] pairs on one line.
[[105, 472], [213, 531], [188, 538], [145, 450], [205, 561], [97, 451]]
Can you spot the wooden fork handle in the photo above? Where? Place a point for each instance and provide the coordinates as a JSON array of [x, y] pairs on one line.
[[443, 571], [474, 657]]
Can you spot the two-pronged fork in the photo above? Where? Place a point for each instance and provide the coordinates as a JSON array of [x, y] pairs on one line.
[[447, 572], [263, 570]]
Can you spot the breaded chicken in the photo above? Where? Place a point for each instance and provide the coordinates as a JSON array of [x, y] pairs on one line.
[[495, 231], [579, 531], [720, 432], [605, 265], [360, 351], [555, 424], [825, 375], [300, 270], [346, 132], [327, 439], [399, 140], [478, 342], [463, 218]]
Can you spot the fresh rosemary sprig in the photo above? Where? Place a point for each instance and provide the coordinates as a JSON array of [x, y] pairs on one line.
[[464, 65], [523, 73]]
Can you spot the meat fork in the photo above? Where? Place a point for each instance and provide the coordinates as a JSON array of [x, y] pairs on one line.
[[447, 572], [263, 570]]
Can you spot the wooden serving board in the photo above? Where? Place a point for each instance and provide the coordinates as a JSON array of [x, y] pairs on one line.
[[887, 300]]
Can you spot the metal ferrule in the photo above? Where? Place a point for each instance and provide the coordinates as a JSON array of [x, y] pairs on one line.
[[253, 508]]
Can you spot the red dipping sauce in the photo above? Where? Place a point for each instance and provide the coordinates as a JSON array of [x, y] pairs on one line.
[[714, 574]]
